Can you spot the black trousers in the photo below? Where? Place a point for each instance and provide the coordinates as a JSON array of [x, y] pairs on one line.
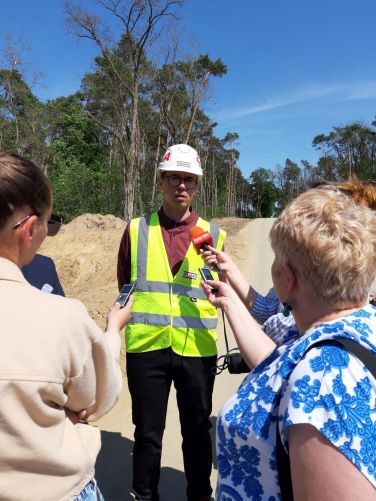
[[150, 375]]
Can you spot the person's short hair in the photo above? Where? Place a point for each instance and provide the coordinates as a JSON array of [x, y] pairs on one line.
[[363, 192], [22, 184], [330, 243]]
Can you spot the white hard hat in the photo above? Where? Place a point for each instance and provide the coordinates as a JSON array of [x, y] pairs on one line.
[[181, 158]]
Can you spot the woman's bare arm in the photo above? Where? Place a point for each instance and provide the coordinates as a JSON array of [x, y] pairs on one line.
[[253, 343], [320, 472]]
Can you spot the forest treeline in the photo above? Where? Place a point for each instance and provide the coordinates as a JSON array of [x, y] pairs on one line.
[[100, 146]]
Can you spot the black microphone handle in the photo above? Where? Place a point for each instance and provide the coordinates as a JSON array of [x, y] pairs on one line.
[[216, 265]]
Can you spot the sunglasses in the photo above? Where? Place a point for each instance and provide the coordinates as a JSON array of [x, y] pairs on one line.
[[54, 225]]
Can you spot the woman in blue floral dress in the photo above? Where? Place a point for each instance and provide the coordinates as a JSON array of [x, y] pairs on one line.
[[320, 399]]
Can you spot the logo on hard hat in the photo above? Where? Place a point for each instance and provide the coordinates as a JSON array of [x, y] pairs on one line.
[[167, 156]]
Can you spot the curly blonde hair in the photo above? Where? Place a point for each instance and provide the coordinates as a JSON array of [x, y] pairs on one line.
[[330, 242]]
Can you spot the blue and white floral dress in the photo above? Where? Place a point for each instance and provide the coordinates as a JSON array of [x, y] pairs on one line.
[[326, 387]]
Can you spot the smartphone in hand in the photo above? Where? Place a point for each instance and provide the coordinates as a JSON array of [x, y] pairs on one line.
[[207, 275], [124, 294]]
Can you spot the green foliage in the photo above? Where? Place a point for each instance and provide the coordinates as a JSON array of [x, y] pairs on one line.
[[176, 93], [81, 177], [22, 118], [263, 193], [347, 151]]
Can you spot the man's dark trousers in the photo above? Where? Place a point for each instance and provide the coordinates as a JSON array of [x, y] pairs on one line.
[[150, 375]]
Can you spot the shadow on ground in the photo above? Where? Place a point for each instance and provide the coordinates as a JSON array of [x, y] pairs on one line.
[[114, 471]]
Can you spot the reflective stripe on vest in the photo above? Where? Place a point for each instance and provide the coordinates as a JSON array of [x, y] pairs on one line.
[[161, 320], [169, 311]]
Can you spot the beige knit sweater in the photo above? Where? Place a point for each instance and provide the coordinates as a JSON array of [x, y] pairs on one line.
[[52, 357]]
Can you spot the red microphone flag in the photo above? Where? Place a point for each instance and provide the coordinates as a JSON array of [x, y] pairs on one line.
[[200, 238]]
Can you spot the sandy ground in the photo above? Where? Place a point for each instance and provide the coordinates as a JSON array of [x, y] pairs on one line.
[[85, 253]]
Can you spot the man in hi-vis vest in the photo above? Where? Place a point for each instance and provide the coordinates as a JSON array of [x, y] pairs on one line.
[[171, 335]]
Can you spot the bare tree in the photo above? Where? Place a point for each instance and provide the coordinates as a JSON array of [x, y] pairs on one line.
[[141, 23], [197, 73]]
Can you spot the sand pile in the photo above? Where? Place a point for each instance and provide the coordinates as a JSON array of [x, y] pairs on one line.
[[85, 253]]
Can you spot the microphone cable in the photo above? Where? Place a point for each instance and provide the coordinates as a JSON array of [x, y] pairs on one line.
[[222, 362], [231, 360]]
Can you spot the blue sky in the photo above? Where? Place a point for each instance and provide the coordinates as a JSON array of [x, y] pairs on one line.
[[296, 68]]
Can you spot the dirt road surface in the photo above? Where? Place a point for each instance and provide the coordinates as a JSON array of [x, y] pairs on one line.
[[85, 253]]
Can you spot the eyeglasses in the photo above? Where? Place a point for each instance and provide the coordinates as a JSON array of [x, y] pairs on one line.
[[54, 225], [23, 220], [189, 182]]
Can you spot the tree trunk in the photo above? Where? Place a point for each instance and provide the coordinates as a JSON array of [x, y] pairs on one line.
[[156, 168], [129, 175], [195, 106], [349, 160]]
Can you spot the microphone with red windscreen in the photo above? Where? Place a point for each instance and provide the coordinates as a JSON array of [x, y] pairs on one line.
[[201, 239]]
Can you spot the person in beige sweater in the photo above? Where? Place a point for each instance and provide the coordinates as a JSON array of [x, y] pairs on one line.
[[56, 365]]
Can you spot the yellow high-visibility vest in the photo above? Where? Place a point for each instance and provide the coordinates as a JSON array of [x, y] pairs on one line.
[[169, 311]]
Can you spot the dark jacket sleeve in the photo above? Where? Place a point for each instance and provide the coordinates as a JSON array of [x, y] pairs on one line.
[[41, 273]]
